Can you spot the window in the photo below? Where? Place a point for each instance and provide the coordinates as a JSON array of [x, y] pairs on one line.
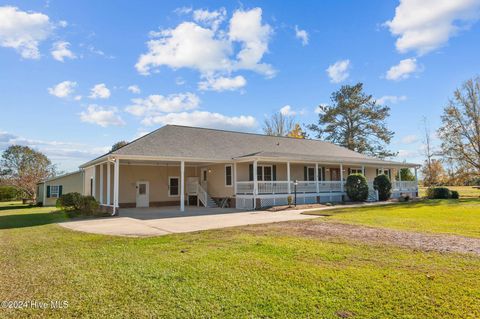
[[356, 171], [310, 174], [173, 186], [142, 189], [54, 191], [385, 171], [264, 173], [228, 175]]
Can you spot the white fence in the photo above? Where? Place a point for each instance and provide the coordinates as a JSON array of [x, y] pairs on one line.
[[281, 187]]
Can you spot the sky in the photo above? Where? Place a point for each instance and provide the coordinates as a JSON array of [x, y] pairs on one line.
[[78, 76]]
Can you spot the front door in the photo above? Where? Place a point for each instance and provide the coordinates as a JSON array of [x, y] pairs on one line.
[[143, 191], [204, 178], [334, 174]]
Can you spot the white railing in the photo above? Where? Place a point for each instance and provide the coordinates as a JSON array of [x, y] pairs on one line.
[[411, 186], [202, 195], [192, 188], [281, 187]]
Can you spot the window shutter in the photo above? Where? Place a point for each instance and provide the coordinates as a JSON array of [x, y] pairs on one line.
[[60, 190], [305, 174], [250, 172], [274, 172], [349, 171], [48, 191], [323, 174]]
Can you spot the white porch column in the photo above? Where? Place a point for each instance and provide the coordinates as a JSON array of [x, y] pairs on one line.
[[101, 184], [341, 177], [399, 174], [288, 178], [363, 170], [109, 202], [316, 178], [94, 184], [255, 184], [116, 182], [235, 178], [182, 186]]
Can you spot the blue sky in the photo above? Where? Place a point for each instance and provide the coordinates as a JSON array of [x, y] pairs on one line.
[[79, 76]]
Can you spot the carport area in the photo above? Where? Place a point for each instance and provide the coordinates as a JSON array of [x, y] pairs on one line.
[[144, 222]]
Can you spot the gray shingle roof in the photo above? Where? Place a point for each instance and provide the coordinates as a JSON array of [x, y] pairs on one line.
[[202, 143]]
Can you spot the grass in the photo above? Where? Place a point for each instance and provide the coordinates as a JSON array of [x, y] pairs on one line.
[[459, 217], [464, 191], [253, 272]]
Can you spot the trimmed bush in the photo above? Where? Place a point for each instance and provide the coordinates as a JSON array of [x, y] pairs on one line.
[[384, 187], [454, 195], [357, 187], [85, 205], [438, 193]]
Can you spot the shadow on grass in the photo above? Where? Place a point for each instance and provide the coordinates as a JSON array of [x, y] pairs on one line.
[[15, 206], [29, 220], [407, 205]]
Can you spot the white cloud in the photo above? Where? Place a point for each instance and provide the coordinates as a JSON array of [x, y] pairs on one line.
[[338, 72], [99, 91], [23, 31], [60, 51], [287, 111], [179, 80], [63, 89], [301, 35], [212, 19], [157, 104], [407, 154], [103, 116], [402, 70], [207, 48], [134, 89], [222, 83], [425, 25], [391, 99], [204, 119], [410, 139]]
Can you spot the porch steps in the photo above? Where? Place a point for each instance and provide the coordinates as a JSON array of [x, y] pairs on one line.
[[211, 203], [372, 195]]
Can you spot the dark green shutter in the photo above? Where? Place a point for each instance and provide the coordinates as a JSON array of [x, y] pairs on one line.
[[324, 178], [250, 172], [48, 191], [60, 190], [305, 173], [274, 172]]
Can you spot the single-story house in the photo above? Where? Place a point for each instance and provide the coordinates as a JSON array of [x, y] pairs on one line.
[[179, 165], [49, 190]]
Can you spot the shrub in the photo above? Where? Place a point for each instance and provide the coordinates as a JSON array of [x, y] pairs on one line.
[[289, 200], [384, 187], [89, 206], [357, 187], [438, 193], [454, 195], [70, 201]]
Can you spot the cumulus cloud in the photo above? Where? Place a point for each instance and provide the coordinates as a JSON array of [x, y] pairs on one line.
[[222, 83], [99, 91], [204, 46], [425, 25], [402, 70], [103, 116], [63, 89], [134, 89], [287, 111], [23, 31], [60, 51], [391, 99], [204, 119], [302, 35], [157, 104], [338, 72]]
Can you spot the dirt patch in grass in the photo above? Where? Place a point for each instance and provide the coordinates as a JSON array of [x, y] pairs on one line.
[[364, 234]]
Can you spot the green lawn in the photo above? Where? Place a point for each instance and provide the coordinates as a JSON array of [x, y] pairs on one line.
[[460, 217], [245, 272]]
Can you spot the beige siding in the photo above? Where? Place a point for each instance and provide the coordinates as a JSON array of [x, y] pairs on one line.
[[70, 183]]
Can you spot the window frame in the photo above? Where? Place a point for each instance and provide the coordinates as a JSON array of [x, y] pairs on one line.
[[56, 193], [178, 186], [262, 168], [231, 175], [356, 169]]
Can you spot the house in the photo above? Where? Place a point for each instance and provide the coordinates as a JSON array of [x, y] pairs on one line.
[[49, 190], [179, 165]]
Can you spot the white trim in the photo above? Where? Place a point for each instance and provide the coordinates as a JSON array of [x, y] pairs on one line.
[[263, 172], [235, 178], [288, 178], [358, 170], [101, 184], [314, 173], [182, 186], [341, 177], [169, 178], [94, 184], [231, 175], [108, 183], [116, 182], [57, 193]]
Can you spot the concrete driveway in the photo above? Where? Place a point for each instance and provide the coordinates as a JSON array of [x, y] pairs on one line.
[[142, 227]]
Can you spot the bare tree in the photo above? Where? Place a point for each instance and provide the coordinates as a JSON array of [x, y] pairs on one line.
[[430, 167], [278, 125], [460, 130]]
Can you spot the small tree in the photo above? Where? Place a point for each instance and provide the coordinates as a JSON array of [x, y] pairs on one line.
[[118, 145], [297, 132], [357, 187], [406, 175], [384, 187], [23, 168], [433, 173]]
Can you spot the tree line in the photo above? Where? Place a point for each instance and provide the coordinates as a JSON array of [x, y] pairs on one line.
[[355, 120]]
